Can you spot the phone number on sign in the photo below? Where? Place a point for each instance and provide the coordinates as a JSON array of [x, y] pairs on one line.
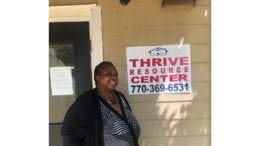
[[158, 88]]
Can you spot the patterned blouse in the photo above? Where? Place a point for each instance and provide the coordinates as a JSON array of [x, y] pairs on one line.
[[118, 129]]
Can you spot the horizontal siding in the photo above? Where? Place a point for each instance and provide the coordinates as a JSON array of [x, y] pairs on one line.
[[171, 111], [176, 141], [200, 53], [187, 127], [141, 4], [174, 34], [203, 2], [139, 17], [115, 4], [200, 72]]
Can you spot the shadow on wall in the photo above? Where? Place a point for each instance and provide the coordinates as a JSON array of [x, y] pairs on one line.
[[174, 119]]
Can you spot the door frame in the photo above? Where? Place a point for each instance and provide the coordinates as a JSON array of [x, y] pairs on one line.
[[81, 13]]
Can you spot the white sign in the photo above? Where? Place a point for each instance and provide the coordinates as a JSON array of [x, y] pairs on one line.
[[159, 69], [61, 81]]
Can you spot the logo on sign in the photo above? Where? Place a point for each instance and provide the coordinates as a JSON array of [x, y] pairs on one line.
[[158, 51]]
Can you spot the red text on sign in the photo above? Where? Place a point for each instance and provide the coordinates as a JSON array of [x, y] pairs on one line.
[[153, 62], [159, 78]]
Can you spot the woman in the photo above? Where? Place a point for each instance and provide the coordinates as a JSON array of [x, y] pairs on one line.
[[101, 116]]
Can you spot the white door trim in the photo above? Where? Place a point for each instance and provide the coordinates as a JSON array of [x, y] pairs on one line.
[[79, 13]]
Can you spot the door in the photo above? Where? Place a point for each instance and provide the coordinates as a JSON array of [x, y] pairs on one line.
[[69, 50]]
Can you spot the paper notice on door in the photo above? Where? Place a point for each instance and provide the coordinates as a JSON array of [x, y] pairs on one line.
[[61, 81]]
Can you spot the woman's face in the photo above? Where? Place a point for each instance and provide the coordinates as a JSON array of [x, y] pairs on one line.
[[108, 78]]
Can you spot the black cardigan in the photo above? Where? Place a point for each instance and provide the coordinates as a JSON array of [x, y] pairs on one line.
[[82, 125]]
